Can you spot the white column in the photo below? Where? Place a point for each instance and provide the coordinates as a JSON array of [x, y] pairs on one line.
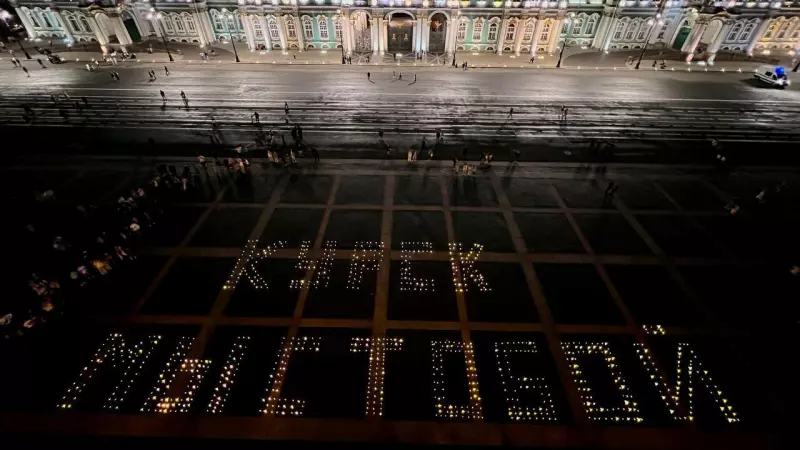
[[298, 27], [601, 31], [518, 37], [121, 32], [351, 34], [265, 32], [375, 36], [282, 31], [612, 28], [714, 47], [212, 36], [248, 31], [64, 26], [98, 33], [426, 32], [448, 37], [759, 33], [385, 39], [26, 22], [501, 38], [691, 45], [345, 36], [555, 35], [200, 28], [537, 33]]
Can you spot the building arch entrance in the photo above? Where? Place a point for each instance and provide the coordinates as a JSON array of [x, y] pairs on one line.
[[130, 25], [437, 33], [362, 31], [401, 28]]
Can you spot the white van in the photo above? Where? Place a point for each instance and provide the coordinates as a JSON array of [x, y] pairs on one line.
[[772, 75]]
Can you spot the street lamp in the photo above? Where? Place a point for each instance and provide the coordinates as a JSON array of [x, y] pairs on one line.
[[229, 17], [571, 22], [652, 24], [156, 17]]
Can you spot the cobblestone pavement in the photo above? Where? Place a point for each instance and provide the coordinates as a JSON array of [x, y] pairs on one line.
[[449, 306]]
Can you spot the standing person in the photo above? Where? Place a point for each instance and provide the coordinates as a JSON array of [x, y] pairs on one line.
[[315, 154], [400, 76], [368, 78], [255, 117], [415, 78], [455, 161], [163, 96], [25, 69], [394, 75], [464, 154], [202, 160], [286, 107], [511, 113], [54, 99], [566, 110], [166, 70]]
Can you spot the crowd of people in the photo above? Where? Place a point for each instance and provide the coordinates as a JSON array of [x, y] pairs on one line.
[[68, 248]]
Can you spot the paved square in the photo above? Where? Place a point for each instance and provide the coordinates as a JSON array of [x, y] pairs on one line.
[[546, 333]]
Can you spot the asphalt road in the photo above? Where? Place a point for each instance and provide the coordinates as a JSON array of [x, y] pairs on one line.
[[651, 116]]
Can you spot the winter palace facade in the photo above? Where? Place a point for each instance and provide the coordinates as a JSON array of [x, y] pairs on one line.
[[515, 27]]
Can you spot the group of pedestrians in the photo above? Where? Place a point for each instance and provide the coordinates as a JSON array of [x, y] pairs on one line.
[[70, 250]]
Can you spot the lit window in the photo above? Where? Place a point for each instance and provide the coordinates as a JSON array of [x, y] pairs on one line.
[[492, 36], [273, 29], [477, 30], [511, 30]]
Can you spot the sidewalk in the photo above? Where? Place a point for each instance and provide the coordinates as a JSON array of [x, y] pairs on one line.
[[573, 58]]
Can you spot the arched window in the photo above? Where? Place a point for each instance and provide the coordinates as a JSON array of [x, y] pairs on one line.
[[73, 24], [178, 24], [46, 20], [643, 31], [189, 23], [477, 30], [258, 32], [747, 32], [218, 25], [511, 31], [631, 31], [337, 29], [546, 31], [735, 30], [528, 34], [771, 29], [323, 28], [784, 30], [591, 24], [167, 25], [291, 30], [231, 22], [492, 36], [85, 24], [34, 21], [577, 27], [796, 32], [308, 29], [663, 31], [462, 31], [620, 30], [272, 25]]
